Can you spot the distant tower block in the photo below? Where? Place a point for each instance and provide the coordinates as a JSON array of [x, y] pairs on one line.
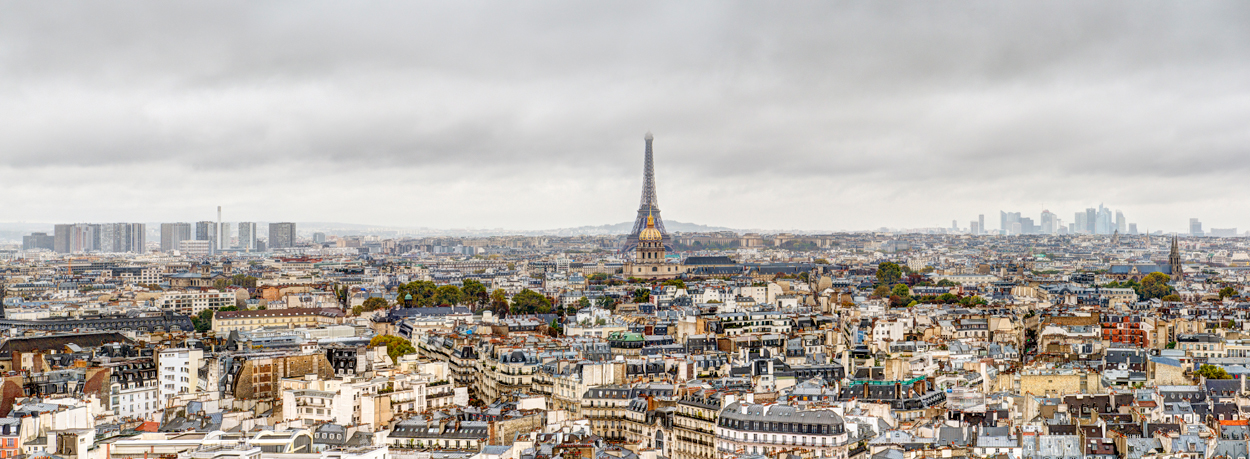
[[648, 207]]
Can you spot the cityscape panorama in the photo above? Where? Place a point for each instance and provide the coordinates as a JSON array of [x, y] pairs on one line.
[[378, 230]]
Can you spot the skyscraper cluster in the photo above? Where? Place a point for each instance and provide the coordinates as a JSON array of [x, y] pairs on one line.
[[1089, 221], [98, 237], [213, 237]]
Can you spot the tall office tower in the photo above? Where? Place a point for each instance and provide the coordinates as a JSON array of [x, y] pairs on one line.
[[1009, 221], [1049, 222], [1106, 222], [1078, 223], [1121, 223], [1072, 227], [247, 236], [1027, 226], [974, 227], [981, 224], [1195, 227], [1132, 228], [281, 235], [174, 233], [38, 241], [1091, 219], [319, 238], [207, 231]]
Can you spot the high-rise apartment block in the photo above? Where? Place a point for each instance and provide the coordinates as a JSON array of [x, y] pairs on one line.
[[1195, 227], [38, 241], [99, 237], [247, 236], [207, 231], [172, 234], [281, 235]]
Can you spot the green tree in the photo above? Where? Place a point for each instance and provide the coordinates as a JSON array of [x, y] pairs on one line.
[[1213, 372], [371, 304], [889, 273], [422, 293], [243, 280], [395, 346], [946, 283], [820, 261], [447, 295], [554, 328], [530, 302], [881, 291], [901, 291], [583, 303], [499, 302], [606, 302], [1171, 297], [475, 292], [1155, 285], [676, 282], [1227, 292], [642, 295], [203, 321]]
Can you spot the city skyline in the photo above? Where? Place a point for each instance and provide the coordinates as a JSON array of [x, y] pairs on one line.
[[815, 117]]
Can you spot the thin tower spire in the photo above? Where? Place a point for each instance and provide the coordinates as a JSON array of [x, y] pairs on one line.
[[649, 205]]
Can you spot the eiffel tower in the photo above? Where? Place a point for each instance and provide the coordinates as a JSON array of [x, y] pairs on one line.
[[649, 205]]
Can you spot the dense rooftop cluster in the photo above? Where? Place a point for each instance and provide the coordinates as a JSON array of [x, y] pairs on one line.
[[845, 346]]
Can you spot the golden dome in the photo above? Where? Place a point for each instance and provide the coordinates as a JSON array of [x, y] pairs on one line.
[[650, 233]]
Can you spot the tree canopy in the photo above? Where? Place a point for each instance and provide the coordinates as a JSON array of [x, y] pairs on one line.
[[421, 292], [642, 295], [499, 302], [1227, 292], [474, 292], [889, 273], [395, 346], [1155, 285], [371, 304], [530, 302], [447, 295], [203, 321], [1213, 372]]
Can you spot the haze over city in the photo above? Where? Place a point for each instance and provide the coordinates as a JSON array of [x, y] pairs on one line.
[[800, 116]]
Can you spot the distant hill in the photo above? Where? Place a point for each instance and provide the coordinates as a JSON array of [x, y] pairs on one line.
[[625, 227]]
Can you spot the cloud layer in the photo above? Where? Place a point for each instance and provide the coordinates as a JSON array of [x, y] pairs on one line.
[[465, 114]]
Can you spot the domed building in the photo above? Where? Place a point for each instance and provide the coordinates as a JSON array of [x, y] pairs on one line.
[[649, 256]]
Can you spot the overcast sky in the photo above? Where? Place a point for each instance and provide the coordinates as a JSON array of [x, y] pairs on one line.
[[531, 115]]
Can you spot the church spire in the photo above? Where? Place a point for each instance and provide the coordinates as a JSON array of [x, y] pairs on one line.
[[1174, 260]]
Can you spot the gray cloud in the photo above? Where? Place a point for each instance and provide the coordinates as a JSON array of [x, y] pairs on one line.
[[903, 113]]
